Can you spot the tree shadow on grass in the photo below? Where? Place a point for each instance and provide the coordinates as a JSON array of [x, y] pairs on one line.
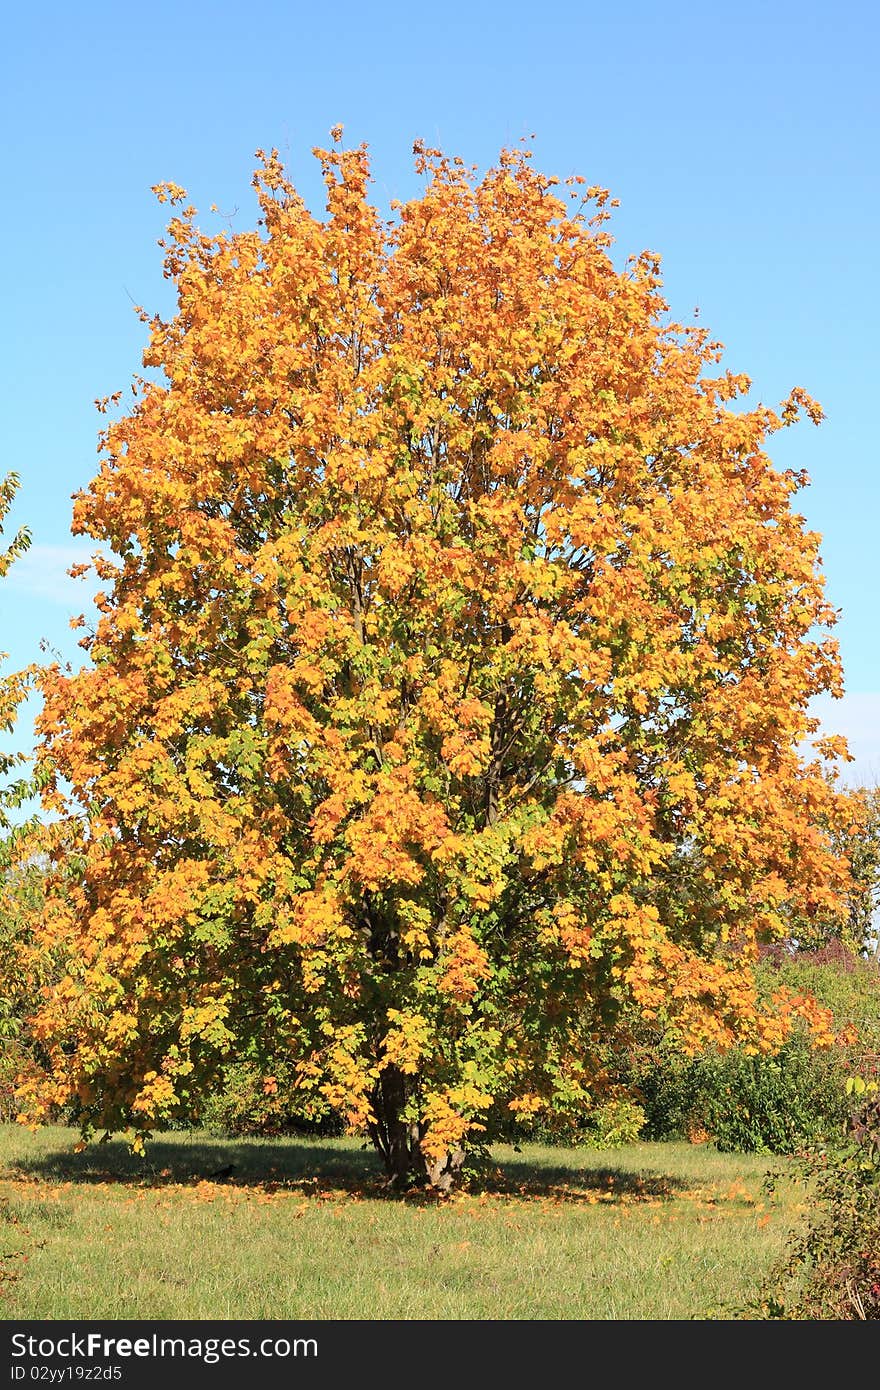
[[563, 1183], [316, 1166], [187, 1162]]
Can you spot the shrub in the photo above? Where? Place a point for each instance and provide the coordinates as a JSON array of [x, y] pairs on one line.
[[832, 1270], [616, 1122], [749, 1104]]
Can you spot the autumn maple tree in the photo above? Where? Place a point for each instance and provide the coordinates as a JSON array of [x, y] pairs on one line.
[[16, 990], [448, 691], [13, 687], [855, 834]]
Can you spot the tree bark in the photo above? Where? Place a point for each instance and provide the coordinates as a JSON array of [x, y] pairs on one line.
[[396, 1141], [444, 1175]]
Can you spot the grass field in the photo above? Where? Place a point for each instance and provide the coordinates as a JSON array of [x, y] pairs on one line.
[[303, 1229]]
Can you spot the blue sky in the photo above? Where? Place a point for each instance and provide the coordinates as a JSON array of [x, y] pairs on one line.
[[742, 142]]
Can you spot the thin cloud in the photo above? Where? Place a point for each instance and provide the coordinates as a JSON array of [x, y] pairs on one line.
[[41, 572]]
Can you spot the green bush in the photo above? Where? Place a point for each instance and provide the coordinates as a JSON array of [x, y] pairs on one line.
[[745, 1103], [616, 1122], [831, 1271]]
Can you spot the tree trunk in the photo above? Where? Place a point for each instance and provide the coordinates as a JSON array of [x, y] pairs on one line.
[[396, 1141], [444, 1175]]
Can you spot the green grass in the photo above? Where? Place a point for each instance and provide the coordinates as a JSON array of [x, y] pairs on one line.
[[304, 1229]]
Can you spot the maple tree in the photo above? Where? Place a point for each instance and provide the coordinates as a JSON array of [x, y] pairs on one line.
[[13, 688], [448, 690], [16, 993], [857, 839], [845, 927]]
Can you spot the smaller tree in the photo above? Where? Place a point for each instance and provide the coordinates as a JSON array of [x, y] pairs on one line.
[[23, 970], [862, 849], [13, 688], [850, 923], [16, 898]]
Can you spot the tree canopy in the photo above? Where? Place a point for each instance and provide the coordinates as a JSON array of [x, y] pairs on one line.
[[450, 685]]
